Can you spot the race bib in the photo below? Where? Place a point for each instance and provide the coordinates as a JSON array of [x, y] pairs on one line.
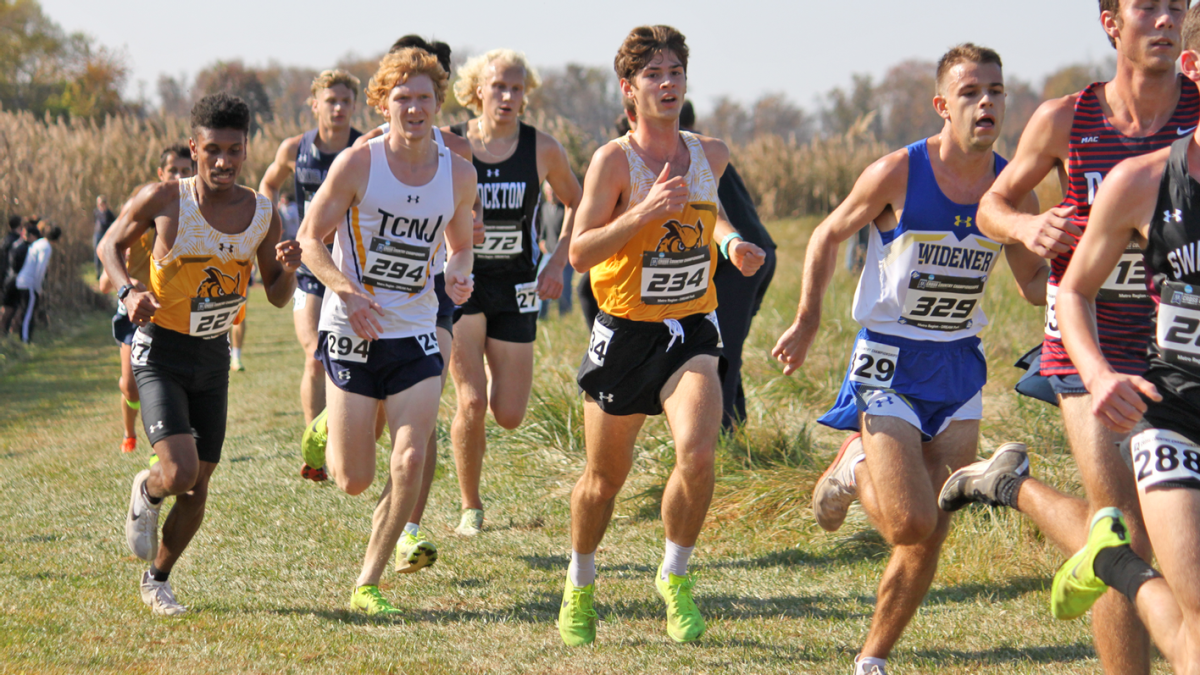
[[940, 302], [501, 240], [1178, 326], [712, 316], [598, 347], [299, 300], [139, 352], [1127, 283], [214, 316], [527, 297], [396, 266], [672, 278], [429, 343], [1161, 456], [1051, 317], [347, 348], [874, 364]]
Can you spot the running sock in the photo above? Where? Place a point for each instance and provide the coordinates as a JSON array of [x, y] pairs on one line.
[[133, 405], [235, 352], [153, 500], [675, 560], [863, 663], [582, 571], [854, 465], [1007, 487], [159, 575], [412, 528], [1120, 568]]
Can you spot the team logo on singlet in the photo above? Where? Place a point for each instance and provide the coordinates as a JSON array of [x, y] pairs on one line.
[[217, 284], [959, 220], [680, 237]]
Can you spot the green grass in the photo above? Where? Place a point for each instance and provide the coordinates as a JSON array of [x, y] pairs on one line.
[[270, 573]]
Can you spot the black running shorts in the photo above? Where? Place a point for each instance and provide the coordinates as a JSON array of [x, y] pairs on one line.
[[183, 382], [122, 328], [378, 368], [510, 308], [310, 284], [446, 306], [629, 362]]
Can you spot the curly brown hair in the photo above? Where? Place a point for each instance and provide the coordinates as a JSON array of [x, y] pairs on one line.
[[642, 43], [396, 67]]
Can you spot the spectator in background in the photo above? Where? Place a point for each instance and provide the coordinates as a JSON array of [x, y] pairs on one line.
[[17, 253], [15, 227], [550, 221], [104, 219], [29, 280], [289, 215]]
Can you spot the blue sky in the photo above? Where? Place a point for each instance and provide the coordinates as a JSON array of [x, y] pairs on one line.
[[802, 48]]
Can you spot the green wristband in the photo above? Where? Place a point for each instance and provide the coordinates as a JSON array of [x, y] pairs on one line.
[[724, 246]]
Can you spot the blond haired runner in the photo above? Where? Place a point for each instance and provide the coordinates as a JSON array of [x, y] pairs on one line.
[[308, 158], [499, 323], [393, 204], [648, 229]]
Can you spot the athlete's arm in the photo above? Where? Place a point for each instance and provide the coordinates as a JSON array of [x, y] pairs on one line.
[[1044, 146], [280, 169], [462, 147], [342, 189], [557, 171], [1029, 270], [151, 202], [1124, 206], [104, 284], [881, 186], [599, 232], [278, 262], [459, 233]]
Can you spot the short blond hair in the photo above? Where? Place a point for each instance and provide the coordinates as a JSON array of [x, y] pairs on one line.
[[332, 78], [397, 67], [470, 76]]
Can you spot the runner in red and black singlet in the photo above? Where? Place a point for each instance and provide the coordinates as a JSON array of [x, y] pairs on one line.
[[1123, 307]]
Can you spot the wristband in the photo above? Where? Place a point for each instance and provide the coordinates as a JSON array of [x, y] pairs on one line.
[[123, 292], [724, 246]]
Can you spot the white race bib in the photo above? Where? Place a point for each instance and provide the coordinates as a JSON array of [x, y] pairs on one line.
[[672, 278], [598, 347], [501, 240], [527, 297], [1127, 283], [299, 300], [429, 343], [940, 302], [139, 352], [347, 348], [874, 363], [214, 316], [1051, 317], [1177, 332], [1161, 456], [396, 266]]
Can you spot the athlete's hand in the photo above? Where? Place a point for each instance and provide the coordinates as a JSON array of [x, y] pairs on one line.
[[792, 347], [288, 255], [140, 304], [459, 287], [550, 281], [1051, 233], [747, 257], [478, 231], [1119, 400], [362, 308], [668, 196]]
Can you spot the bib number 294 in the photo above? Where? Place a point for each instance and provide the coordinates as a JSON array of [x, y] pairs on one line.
[[874, 363]]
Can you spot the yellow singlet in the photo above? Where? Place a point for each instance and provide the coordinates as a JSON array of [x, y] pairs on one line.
[[666, 270], [137, 262], [201, 283]]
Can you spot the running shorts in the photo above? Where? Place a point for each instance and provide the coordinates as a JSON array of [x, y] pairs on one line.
[[378, 368], [511, 309], [446, 306]]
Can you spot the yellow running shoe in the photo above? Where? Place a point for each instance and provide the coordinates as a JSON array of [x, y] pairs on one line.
[[1076, 587], [414, 552], [369, 600], [312, 447], [577, 616], [684, 623]]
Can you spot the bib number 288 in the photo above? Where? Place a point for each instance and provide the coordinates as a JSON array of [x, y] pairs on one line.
[[874, 363]]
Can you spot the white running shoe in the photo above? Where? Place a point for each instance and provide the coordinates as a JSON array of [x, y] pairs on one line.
[[159, 597], [471, 523], [141, 525], [836, 491]]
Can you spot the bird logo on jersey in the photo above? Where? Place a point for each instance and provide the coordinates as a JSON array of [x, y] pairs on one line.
[[217, 284], [680, 237]]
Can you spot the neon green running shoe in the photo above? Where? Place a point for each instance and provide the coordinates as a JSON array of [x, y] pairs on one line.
[[684, 623], [369, 600], [1076, 587], [414, 552], [577, 616], [471, 523], [312, 447]]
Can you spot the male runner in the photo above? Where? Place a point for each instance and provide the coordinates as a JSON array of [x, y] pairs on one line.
[[308, 157], [914, 384], [1144, 108], [1152, 200], [175, 162], [393, 204], [499, 322], [648, 231], [210, 230]]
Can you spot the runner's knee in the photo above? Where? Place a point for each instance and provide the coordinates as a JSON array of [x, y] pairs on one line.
[[472, 402], [695, 465], [354, 481], [604, 485], [507, 415], [179, 477], [128, 389], [913, 527]]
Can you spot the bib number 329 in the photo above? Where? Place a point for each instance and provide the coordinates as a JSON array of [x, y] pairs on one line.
[[874, 364]]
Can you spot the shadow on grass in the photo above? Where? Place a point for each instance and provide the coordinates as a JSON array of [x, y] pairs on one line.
[[1080, 651], [992, 592]]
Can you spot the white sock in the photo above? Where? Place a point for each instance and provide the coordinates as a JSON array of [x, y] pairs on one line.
[[675, 560], [853, 477], [582, 571], [235, 352], [862, 663], [412, 528]]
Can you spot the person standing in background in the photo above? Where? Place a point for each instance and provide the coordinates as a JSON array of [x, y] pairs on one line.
[[104, 219], [33, 272], [11, 298], [11, 237]]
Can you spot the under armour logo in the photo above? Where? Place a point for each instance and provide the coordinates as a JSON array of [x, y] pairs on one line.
[[414, 199], [1173, 217], [493, 173], [221, 247], [344, 375], [607, 398], [157, 426], [959, 220]]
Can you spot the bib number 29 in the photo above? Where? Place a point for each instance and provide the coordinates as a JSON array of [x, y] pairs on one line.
[[874, 364]]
